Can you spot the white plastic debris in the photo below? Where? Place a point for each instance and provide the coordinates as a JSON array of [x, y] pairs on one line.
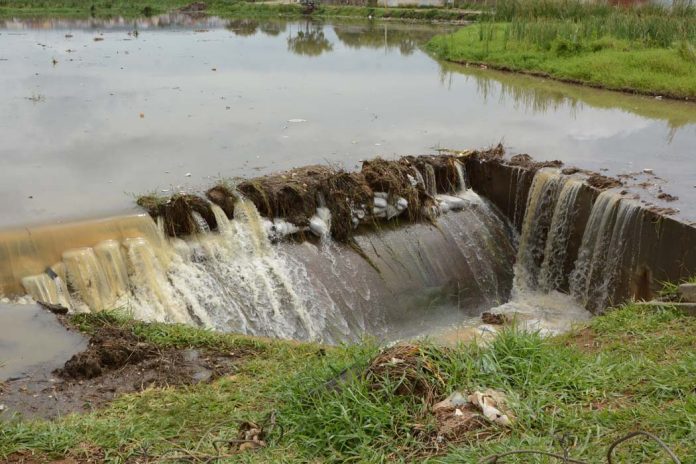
[[384, 195], [297, 120], [401, 203], [380, 202], [188, 174], [320, 223], [648, 171], [489, 402], [449, 202]]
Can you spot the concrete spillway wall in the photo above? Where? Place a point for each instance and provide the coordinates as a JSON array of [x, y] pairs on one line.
[[657, 248]]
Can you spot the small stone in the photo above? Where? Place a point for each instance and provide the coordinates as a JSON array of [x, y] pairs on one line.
[[188, 174], [648, 171]]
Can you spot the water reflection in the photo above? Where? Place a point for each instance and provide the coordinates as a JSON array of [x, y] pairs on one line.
[[309, 40], [535, 95], [369, 89], [404, 38], [243, 27]]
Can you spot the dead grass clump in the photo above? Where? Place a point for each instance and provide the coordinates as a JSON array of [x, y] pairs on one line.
[[489, 154], [409, 371], [445, 172], [177, 213], [344, 192], [224, 197], [291, 195], [392, 177], [527, 162]]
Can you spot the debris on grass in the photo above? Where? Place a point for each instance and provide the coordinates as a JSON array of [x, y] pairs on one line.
[[408, 371]]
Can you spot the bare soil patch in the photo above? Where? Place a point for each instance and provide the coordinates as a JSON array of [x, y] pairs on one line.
[[116, 362]]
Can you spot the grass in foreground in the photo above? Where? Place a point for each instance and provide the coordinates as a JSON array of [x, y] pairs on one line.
[[634, 368]]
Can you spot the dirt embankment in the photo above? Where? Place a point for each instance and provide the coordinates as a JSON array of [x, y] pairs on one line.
[[116, 362]]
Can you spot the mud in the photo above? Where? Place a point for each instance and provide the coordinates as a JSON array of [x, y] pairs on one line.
[[601, 182], [116, 362], [527, 162]]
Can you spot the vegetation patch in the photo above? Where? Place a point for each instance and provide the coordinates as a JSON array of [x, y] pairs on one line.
[[644, 49], [359, 403]]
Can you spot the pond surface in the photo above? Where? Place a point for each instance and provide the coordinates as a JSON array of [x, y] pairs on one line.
[[91, 112]]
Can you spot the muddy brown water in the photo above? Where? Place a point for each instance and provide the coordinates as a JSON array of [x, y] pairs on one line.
[[84, 122], [32, 340]]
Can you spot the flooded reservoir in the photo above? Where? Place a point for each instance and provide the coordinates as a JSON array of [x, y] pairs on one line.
[[92, 113], [95, 114]]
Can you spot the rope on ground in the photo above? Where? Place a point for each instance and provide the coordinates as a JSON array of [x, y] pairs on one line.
[[496, 458]]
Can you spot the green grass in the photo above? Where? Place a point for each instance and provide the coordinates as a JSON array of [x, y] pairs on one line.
[[633, 368], [603, 62]]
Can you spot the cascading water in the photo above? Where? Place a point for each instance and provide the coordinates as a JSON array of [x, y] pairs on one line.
[[536, 301], [411, 280], [544, 266], [604, 245]]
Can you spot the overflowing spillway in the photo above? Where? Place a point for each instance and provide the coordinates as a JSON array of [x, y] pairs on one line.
[[559, 249], [409, 279]]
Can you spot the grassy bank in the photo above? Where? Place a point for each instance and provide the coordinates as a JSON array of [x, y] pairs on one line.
[[631, 369], [221, 8], [647, 50]]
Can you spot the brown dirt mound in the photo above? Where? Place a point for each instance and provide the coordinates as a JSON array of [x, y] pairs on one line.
[[116, 362], [291, 195], [110, 349], [222, 196], [601, 182], [408, 370]]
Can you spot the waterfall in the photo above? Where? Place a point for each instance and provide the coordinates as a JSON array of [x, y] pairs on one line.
[[544, 268], [536, 300], [406, 281], [556, 247], [604, 245]]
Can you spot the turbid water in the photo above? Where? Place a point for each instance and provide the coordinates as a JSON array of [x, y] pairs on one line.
[[90, 111], [32, 342]]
